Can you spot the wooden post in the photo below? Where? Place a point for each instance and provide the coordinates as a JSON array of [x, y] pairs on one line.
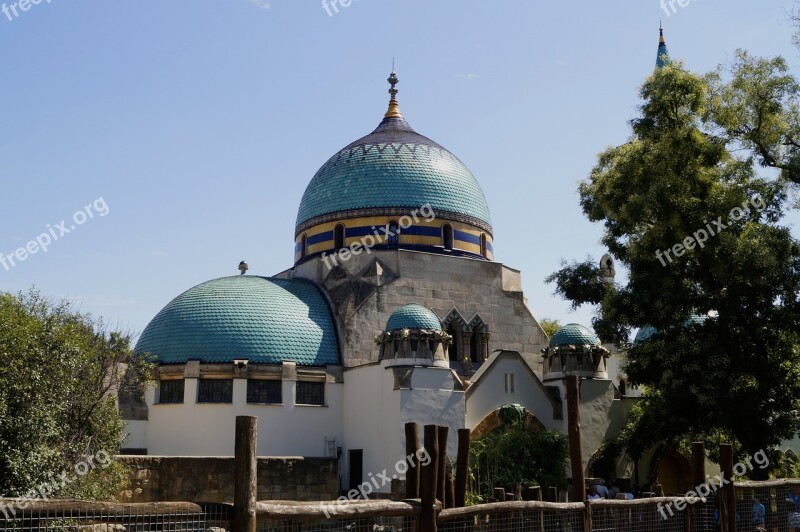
[[462, 468], [245, 488], [698, 463], [658, 489], [574, 432], [500, 494], [441, 491], [427, 480], [552, 494], [698, 479], [450, 490], [727, 510], [412, 475]]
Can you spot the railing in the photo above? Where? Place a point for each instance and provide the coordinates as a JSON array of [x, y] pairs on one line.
[[780, 513], [80, 516], [350, 516], [513, 516]]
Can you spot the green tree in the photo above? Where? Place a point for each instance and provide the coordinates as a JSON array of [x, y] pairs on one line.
[[61, 372], [550, 327], [516, 453], [699, 231]]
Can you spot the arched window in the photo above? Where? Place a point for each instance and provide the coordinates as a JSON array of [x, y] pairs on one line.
[[483, 245], [303, 246], [475, 347], [338, 237], [393, 237], [452, 349], [447, 236]]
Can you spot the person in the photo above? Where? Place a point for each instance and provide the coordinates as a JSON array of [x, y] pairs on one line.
[[613, 490], [759, 515], [794, 516], [602, 490], [593, 496]]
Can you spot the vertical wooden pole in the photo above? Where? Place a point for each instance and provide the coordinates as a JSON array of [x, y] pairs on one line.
[[462, 468], [441, 491], [698, 479], [412, 475], [245, 489], [427, 485], [552, 494], [499, 494], [698, 464], [574, 432], [727, 513], [450, 490]]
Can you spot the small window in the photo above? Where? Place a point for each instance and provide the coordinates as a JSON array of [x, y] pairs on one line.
[[264, 392], [447, 236], [215, 391], [303, 246], [393, 237], [310, 393], [171, 392], [484, 252], [338, 237], [511, 383]]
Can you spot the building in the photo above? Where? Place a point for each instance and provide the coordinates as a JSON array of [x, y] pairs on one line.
[[394, 311]]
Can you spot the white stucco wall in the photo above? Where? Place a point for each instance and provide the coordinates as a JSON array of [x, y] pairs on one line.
[[192, 429], [488, 391], [135, 434], [376, 414]]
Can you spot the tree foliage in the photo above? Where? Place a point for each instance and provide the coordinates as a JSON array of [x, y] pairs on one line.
[[515, 454], [61, 372], [550, 327], [690, 212]]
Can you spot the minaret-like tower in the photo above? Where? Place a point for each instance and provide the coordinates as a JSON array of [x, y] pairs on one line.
[[662, 59]]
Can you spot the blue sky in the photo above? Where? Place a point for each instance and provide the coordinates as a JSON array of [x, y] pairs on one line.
[[200, 122]]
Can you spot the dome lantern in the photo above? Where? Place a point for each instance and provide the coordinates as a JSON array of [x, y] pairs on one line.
[[414, 337]]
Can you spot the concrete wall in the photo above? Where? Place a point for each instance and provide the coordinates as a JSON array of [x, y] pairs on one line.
[[210, 479], [192, 429]]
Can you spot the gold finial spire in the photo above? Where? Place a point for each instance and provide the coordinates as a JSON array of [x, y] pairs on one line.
[[661, 34], [394, 107]]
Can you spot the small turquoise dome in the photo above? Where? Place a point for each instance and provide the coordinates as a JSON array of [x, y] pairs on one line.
[[573, 334], [260, 319], [393, 168], [644, 334], [413, 317], [647, 332]]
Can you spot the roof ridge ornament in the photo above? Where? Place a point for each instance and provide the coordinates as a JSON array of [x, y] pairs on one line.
[[394, 106]]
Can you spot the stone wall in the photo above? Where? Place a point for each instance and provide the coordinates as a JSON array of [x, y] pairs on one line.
[[368, 288], [210, 479]]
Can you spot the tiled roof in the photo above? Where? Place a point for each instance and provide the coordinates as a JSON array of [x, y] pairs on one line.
[[574, 334], [413, 317], [261, 319], [394, 167]]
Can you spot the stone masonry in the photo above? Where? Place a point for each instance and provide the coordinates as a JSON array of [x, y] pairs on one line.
[[210, 479]]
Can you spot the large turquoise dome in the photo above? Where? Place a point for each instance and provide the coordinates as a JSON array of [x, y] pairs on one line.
[[260, 319], [393, 170]]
